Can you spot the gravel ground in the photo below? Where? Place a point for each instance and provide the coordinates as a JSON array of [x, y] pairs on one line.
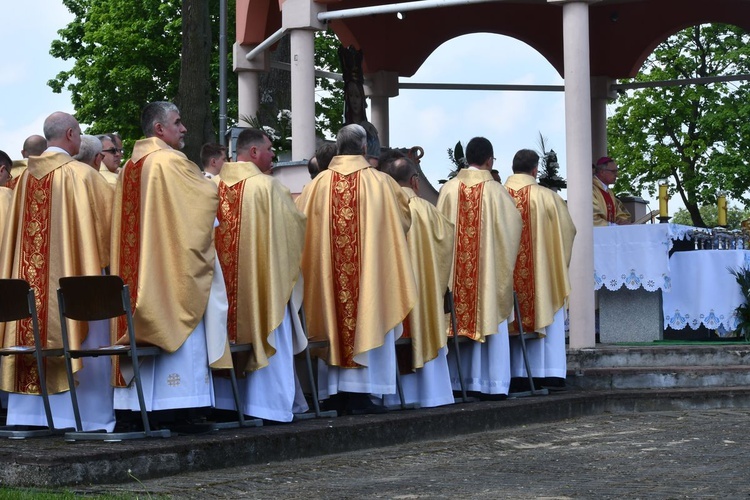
[[672, 454]]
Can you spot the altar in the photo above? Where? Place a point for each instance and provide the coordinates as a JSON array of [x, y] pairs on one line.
[[644, 288]]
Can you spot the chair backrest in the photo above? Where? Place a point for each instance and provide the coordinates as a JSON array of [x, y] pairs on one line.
[[92, 298], [14, 300]]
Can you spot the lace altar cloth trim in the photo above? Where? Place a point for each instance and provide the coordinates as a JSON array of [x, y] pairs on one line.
[[704, 292], [634, 256]]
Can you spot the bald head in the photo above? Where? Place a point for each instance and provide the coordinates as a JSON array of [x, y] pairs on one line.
[[62, 131], [34, 145]]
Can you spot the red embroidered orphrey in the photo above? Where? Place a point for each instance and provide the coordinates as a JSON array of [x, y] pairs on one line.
[[466, 274], [228, 246], [523, 273], [346, 253], [130, 250], [610, 204], [34, 268]]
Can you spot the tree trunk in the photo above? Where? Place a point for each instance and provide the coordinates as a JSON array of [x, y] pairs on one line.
[[193, 95], [695, 214]]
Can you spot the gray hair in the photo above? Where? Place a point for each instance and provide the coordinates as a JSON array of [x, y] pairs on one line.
[[156, 112], [90, 147], [351, 140]]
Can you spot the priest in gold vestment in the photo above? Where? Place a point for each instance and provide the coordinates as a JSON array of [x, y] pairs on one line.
[[259, 244], [541, 272], [163, 248], [58, 225], [488, 232], [34, 145], [6, 195], [359, 284], [608, 209], [430, 240]]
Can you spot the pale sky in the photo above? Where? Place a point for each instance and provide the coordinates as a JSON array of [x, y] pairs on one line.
[[434, 120]]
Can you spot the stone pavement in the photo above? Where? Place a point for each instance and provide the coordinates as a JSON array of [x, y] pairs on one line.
[[668, 454], [526, 447]]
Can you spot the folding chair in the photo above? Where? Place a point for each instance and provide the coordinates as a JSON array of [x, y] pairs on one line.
[[17, 302], [450, 308], [523, 337], [241, 420], [402, 341], [318, 344], [94, 298]]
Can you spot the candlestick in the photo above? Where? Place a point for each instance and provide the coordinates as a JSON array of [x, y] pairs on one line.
[[663, 197], [722, 210]]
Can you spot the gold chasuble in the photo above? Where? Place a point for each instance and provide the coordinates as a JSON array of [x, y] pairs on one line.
[[488, 230], [259, 243], [110, 177], [163, 243], [15, 172], [58, 225], [430, 241], [359, 283], [6, 196], [541, 273], [606, 211]]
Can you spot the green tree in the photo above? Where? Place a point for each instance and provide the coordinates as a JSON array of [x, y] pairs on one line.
[[709, 214], [698, 136], [128, 53], [329, 105]]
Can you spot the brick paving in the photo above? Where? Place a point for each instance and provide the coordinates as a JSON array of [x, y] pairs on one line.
[[667, 454]]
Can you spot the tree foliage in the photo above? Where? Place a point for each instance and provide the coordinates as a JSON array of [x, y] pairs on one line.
[[329, 104], [123, 59], [127, 53], [698, 136], [710, 215]]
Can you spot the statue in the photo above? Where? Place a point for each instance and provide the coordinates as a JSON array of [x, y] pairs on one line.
[[354, 98], [354, 92]]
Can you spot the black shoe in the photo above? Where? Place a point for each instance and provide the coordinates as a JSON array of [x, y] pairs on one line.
[[554, 384], [493, 397], [361, 404], [336, 402]]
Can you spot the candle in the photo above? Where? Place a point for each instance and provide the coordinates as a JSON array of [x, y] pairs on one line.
[[722, 210], [663, 211]]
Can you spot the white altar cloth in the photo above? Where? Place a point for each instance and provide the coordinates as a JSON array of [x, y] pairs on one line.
[[635, 256], [704, 292], [632, 256]]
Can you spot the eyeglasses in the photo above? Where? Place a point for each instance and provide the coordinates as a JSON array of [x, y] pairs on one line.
[[113, 151], [614, 171]]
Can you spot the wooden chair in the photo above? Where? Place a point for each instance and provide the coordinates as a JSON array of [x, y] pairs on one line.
[[94, 298], [17, 302]]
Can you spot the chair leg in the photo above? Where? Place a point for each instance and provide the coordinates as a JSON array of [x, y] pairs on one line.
[[521, 335], [313, 384], [236, 394], [311, 373], [456, 348], [45, 393], [73, 393]]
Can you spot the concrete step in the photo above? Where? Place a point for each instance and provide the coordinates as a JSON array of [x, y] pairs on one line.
[[610, 356], [662, 377]]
